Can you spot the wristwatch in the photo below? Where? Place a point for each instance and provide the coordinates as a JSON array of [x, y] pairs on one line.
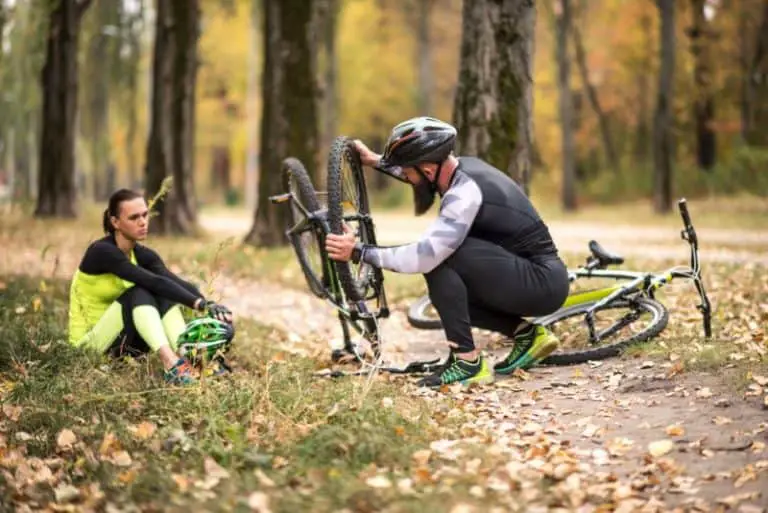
[[357, 252]]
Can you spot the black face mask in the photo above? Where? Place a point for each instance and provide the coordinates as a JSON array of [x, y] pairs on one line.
[[423, 196]]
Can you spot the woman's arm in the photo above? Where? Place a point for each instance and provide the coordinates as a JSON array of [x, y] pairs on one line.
[[150, 260], [103, 257]]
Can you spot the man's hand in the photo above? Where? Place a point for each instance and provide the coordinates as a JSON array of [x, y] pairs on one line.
[[367, 156], [339, 247]]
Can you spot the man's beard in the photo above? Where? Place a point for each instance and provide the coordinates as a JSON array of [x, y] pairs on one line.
[[423, 196]]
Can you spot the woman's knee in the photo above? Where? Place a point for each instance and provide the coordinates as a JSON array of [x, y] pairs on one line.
[[164, 305], [139, 296]]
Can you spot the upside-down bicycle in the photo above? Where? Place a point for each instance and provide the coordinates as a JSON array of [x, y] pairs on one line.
[[356, 291]]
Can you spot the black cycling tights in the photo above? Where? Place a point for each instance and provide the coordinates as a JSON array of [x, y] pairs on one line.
[[485, 286]]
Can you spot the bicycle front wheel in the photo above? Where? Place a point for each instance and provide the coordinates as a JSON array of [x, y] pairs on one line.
[[306, 242], [348, 203], [617, 325]]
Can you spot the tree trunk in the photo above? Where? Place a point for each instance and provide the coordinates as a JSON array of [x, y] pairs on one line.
[[643, 89], [170, 149], [329, 102], [703, 102], [493, 107], [563, 26], [662, 123], [95, 122], [424, 64], [289, 119], [251, 165], [744, 65], [757, 85], [57, 195], [594, 100]]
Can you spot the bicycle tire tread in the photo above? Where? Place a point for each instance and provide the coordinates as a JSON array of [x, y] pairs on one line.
[[615, 349], [293, 167]]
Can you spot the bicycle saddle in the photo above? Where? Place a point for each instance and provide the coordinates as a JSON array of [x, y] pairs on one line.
[[604, 256]]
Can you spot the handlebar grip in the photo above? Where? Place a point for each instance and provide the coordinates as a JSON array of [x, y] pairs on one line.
[[683, 205]]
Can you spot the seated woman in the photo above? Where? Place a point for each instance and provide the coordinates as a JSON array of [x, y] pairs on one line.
[[123, 299]]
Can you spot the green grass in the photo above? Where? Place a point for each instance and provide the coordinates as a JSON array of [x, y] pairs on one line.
[[313, 438]]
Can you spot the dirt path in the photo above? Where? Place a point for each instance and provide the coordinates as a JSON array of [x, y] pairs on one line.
[[709, 445], [657, 242]]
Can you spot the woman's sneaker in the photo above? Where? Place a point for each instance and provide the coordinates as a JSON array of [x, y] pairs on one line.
[[180, 374], [457, 370], [532, 345]]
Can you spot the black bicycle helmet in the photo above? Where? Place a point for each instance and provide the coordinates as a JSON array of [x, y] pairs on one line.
[[417, 140]]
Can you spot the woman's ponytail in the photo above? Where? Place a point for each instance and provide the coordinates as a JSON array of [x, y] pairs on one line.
[[107, 223]]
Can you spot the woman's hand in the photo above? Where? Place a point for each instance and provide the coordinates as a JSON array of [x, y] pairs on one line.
[[220, 312], [367, 156], [339, 247], [216, 310]]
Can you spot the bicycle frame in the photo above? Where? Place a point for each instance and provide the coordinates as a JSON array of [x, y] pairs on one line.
[[357, 314], [646, 283]]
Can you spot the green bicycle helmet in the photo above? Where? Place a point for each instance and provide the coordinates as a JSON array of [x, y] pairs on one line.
[[204, 337]]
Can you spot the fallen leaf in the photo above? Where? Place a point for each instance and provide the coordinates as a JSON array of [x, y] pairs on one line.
[[660, 447], [65, 492], [405, 485], [747, 474], [264, 479], [421, 457], [214, 470], [531, 428], [620, 446], [379, 482], [182, 482], [751, 508], [23, 436], [733, 500], [259, 502], [590, 430], [675, 430], [12, 412], [127, 476], [65, 439], [109, 444], [143, 431], [122, 459]]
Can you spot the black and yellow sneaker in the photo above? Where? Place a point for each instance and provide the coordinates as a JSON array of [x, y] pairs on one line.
[[532, 345], [457, 370]]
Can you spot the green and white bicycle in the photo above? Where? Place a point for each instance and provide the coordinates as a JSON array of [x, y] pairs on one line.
[[600, 323]]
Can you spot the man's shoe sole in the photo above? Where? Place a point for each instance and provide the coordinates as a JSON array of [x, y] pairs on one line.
[[529, 360]]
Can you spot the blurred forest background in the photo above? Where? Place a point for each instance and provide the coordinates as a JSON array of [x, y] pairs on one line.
[[631, 99]]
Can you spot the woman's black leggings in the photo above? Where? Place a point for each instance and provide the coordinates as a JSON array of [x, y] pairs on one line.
[[483, 285], [130, 341]]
